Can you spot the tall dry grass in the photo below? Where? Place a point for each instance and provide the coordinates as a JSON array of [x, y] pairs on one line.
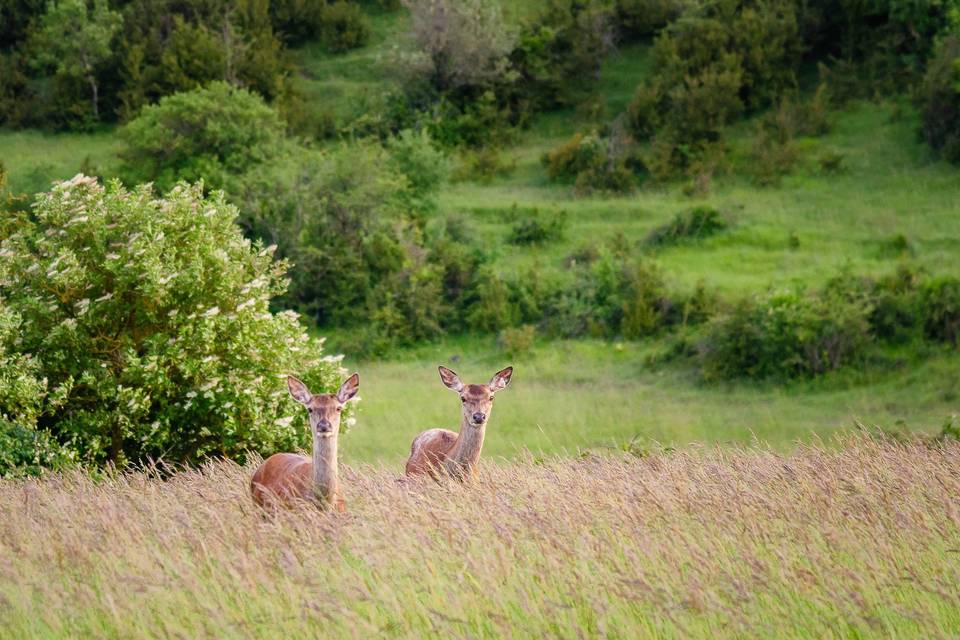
[[850, 541]]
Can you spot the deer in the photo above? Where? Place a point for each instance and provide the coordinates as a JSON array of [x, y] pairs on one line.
[[456, 455], [285, 477]]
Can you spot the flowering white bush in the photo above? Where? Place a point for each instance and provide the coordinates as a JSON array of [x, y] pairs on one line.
[[146, 318]]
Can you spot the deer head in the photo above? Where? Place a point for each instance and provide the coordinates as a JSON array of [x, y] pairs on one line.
[[476, 399], [324, 409]]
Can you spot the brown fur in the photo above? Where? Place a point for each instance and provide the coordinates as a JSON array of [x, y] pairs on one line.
[[284, 478], [457, 454]]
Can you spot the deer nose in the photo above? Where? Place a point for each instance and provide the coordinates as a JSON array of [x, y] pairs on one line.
[[478, 417], [324, 426]]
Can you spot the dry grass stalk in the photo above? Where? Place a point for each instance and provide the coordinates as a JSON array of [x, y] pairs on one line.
[[863, 538]]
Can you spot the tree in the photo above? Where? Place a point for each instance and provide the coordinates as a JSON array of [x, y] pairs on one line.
[[460, 42], [75, 40], [209, 134], [141, 325]]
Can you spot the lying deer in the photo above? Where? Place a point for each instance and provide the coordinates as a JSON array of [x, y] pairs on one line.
[[455, 454], [284, 477]]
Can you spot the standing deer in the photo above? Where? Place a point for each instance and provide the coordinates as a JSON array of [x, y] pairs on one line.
[[455, 454], [284, 477]]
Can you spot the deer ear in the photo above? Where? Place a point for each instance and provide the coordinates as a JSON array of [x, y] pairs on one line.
[[349, 388], [450, 379], [298, 390], [500, 379]]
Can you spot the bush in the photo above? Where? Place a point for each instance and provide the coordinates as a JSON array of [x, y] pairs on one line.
[[895, 316], [638, 19], [491, 309], [460, 43], [786, 335], [517, 341], [699, 222], [578, 154], [352, 221], [715, 62], [24, 449], [414, 156], [940, 304], [538, 228], [939, 100], [832, 162], [297, 21], [771, 157], [483, 165], [885, 40], [559, 53], [151, 320], [206, 134], [343, 27], [592, 163]]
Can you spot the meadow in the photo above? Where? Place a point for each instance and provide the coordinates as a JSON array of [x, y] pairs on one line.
[[858, 539], [622, 492]]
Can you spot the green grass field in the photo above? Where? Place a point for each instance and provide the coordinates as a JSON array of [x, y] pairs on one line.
[[571, 396]]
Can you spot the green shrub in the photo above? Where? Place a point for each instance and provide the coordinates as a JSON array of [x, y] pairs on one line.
[[786, 335], [577, 154], [592, 163], [696, 223], [25, 449], [950, 430], [832, 162], [645, 305], [476, 121], [492, 309], [639, 19], [884, 40], [771, 157], [538, 228], [559, 53], [150, 317], [414, 156], [206, 134], [516, 341], [28, 452], [940, 304], [896, 315], [353, 222], [716, 61], [343, 27], [297, 21], [483, 165], [939, 100]]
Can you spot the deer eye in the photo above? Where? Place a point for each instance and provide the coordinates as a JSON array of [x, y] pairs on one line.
[[339, 409], [462, 399], [491, 398]]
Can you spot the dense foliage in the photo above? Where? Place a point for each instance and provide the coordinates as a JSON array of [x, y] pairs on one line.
[[796, 333], [138, 326], [939, 100], [720, 60], [74, 63], [208, 134]]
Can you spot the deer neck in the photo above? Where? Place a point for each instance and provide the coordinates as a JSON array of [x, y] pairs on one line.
[[325, 478], [465, 453]]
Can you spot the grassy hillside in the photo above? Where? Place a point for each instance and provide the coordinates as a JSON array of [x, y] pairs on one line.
[[859, 542], [892, 203]]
